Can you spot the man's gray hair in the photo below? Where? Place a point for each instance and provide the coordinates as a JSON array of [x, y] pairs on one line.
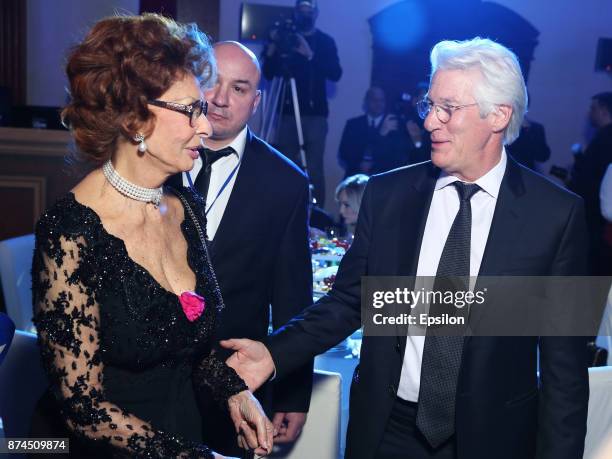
[[502, 80]]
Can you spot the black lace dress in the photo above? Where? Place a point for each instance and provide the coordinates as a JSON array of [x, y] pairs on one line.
[[124, 362]]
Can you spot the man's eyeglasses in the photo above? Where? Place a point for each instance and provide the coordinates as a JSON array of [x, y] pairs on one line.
[[443, 112], [193, 111]]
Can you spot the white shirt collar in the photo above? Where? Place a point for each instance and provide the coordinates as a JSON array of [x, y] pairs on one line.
[[377, 119], [238, 143], [490, 182]]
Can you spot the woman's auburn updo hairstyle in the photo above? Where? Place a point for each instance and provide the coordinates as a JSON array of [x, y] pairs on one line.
[[123, 62]]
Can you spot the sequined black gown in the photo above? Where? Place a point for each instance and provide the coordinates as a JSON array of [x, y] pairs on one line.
[[124, 362]]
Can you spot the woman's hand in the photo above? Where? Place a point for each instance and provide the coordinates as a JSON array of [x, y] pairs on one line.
[[254, 429]]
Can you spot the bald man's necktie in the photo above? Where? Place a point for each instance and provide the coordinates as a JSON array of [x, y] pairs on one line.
[[209, 156], [442, 354]]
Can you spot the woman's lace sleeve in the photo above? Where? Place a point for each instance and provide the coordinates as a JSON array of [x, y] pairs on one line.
[[220, 379], [68, 321]]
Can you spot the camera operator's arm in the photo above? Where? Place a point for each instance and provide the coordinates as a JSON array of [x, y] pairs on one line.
[[325, 57], [415, 133], [303, 47], [388, 125], [271, 66]]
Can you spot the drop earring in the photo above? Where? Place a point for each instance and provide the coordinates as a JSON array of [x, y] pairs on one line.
[[142, 146]]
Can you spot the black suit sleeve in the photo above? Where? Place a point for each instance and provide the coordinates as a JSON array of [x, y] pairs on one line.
[[337, 314], [291, 293], [541, 151], [326, 62], [271, 65], [563, 361], [349, 155]]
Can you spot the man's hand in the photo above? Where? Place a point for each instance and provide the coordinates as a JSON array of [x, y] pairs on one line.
[[251, 360], [389, 124], [414, 131], [288, 425], [303, 47], [365, 166], [254, 429]]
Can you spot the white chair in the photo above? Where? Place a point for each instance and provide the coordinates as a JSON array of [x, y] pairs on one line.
[[599, 422], [320, 437], [15, 273], [604, 338], [22, 383]]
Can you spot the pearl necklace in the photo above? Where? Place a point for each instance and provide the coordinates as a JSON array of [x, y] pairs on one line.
[[129, 189]]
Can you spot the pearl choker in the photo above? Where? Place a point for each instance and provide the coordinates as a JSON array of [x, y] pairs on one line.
[[130, 190]]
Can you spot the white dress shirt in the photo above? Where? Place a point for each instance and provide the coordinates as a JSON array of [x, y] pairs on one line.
[[605, 194], [220, 171], [375, 121], [442, 213]]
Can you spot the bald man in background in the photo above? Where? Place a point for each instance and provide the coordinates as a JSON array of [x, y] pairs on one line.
[[257, 222]]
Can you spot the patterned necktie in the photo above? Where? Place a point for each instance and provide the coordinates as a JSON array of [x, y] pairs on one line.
[[442, 354], [208, 158]]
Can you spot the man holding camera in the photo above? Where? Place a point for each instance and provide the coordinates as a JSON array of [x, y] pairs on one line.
[[379, 141], [311, 57]]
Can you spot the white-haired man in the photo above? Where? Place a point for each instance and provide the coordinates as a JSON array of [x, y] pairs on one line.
[[471, 210]]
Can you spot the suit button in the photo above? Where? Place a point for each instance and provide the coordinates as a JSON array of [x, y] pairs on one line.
[[398, 347], [392, 390]]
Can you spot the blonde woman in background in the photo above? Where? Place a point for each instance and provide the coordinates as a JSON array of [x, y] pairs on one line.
[[348, 194]]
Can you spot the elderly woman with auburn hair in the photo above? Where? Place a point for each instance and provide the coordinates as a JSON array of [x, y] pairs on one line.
[[125, 299]]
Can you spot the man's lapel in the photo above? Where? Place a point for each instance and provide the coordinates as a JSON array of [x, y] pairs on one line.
[[413, 217], [508, 221], [246, 182], [414, 212]]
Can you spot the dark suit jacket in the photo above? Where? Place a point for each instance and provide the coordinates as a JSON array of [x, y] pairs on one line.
[[358, 141], [538, 229], [530, 146], [587, 174], [394, 150], [261, 257]]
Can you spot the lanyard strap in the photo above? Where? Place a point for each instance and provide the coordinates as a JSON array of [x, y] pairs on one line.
[[227, 180]]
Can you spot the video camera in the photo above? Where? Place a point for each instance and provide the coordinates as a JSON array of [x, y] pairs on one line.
[[283, 34], [404, 110]]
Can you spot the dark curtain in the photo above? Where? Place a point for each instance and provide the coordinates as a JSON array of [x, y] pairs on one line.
[[13, 50]]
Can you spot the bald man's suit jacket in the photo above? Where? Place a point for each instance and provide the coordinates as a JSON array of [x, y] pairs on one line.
[[261, 258]]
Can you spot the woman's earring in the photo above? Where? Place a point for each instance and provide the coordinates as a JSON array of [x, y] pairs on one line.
[[142, 146]]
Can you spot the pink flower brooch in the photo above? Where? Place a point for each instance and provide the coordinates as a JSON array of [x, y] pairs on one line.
[[193, 305]]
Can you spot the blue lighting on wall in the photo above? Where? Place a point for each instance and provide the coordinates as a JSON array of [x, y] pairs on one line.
[[403, 29]]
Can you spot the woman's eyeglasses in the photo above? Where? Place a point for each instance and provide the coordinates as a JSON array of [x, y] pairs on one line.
[[193, 111]]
